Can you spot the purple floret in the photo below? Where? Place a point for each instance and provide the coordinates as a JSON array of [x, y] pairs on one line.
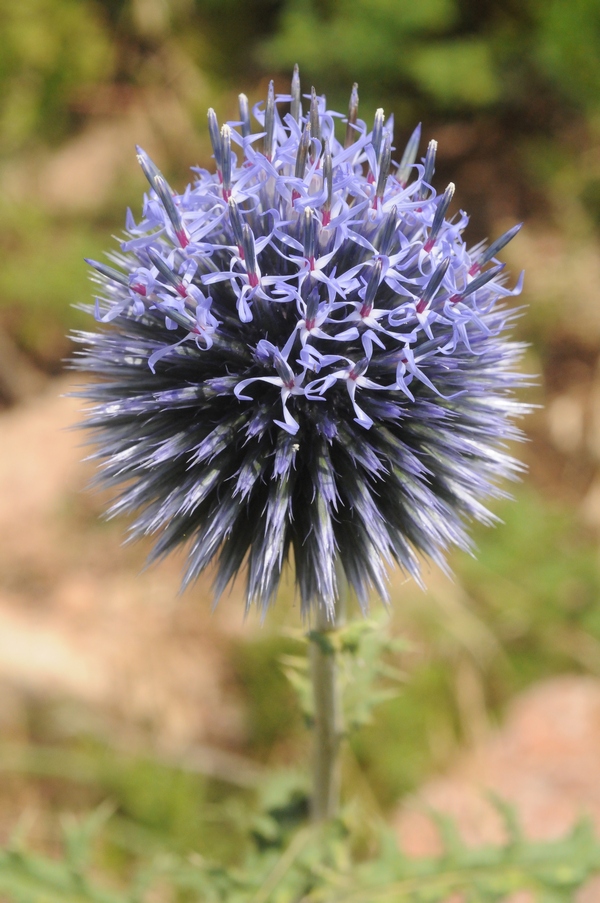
[[301, 356]]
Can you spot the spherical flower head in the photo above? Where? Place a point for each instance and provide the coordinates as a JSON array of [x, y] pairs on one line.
[[299, 356]]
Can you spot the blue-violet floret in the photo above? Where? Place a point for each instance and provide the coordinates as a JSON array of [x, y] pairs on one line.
[[301, 356]]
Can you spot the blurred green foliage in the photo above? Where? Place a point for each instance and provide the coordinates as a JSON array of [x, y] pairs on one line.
[[255, 846], [52, 51], [316, 866], [530, 610], [387, 45], [43, 277], [453, 55], [272, 717], [565, 45]]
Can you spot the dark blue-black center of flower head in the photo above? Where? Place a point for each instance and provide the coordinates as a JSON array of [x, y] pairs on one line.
[[301, 356]]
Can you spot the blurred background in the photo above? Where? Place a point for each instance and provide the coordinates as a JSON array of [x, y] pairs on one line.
[[112, 686]]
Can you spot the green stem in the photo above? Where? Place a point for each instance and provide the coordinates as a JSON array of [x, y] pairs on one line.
[[328, 723]]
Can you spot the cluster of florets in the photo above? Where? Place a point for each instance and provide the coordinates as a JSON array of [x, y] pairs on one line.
[[303, 355]]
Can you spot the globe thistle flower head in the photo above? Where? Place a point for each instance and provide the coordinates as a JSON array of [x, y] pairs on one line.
[[298, 356]]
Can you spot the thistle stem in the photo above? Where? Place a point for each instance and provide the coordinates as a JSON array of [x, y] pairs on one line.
[[328, 723]]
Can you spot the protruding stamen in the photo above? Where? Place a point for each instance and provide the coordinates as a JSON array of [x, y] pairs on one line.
[[226, 161], [148, 166], [236, 225], [165, 194], [161, 186], [429, 168], [309, 236], [249, 254], [215, 140], [384, 168], [109, 272], [284, 371], [352, 116], [328, 181], [244, 115], [358, 368], [440, 214], [478, 283], [166, 272], [385, 236], [433, 285], [500, 243], [296, 105], [178, 317], [409, 156], [312, 309], [377, 132], [315, 122], [302, 155], [269, 122], [371, 290]]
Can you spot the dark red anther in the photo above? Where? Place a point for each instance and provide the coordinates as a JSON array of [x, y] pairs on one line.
[[326, 217], [310, 324], [181, 290], [474, 269], [311, 263], [226, 194], [295, 195], [253, 279], [454, 299], [428, 246], [140, 289], [370, 178], [421, 305]]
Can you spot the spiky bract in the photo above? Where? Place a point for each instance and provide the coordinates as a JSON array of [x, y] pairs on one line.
[[303, 357]]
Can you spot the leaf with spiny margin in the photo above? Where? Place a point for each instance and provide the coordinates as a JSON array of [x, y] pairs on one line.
[[295, 669], [452, 842], [79, 835], [317, 867], [509, 816], [366, 678]]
